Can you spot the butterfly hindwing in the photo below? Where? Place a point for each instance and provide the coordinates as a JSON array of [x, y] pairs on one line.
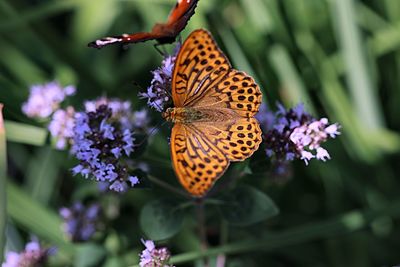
[[237, 138], [197, 162]]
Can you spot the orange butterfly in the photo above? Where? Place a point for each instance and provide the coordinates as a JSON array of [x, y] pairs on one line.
[[213, 114]]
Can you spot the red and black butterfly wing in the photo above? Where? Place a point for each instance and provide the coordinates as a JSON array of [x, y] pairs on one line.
[[125, 39], [180, 15], [162, 32]]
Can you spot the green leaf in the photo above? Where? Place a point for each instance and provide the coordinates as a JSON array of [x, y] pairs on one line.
[[246, 205], [89, 255], [24, 133], [38, 219], [161, 219]]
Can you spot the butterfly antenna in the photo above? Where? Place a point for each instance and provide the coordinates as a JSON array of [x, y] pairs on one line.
[[135, 83], [152, 132]]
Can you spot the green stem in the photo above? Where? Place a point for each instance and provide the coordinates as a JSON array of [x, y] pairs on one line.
[[3, 174], [168, 186], [345, 224], [202, 228]]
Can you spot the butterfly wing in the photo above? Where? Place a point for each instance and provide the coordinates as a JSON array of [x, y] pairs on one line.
[[201, 151], [162, 32], [125, 39], [197, 162], [199, 65], [204, 78], [237, 138], [180, 15]]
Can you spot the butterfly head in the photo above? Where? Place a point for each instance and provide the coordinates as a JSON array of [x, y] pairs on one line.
[[169, 114]]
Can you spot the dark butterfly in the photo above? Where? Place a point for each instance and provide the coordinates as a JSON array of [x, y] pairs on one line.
[[162, 32]]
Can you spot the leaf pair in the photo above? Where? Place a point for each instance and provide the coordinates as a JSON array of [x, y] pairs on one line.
[[243, 206]]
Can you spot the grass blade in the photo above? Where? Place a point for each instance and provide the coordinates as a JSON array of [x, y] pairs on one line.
[[3, 174], [25, 134], [30, 214], [362, 89]]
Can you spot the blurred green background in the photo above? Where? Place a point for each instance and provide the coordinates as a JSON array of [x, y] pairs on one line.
[[341, 58]]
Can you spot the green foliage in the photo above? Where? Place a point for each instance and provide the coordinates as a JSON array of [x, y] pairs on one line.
[[246, 205], [161, 219], [96, 252], [25, 134]]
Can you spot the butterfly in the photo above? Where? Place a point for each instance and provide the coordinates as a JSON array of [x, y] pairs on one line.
[[213, 111], [162, 32]]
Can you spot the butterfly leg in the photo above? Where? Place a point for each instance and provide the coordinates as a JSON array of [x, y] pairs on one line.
[[162, 52]]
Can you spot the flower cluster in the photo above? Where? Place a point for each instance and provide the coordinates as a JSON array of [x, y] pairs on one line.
[[101, 140], [296, 134], [33, 256], [121, 110], [158, 94], [80, 222], [61, 127], [45, 99], [154, 257]]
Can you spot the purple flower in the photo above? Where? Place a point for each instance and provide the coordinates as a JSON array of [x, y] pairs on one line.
[[118, 186], [45, 99], [80, 222], [99, 142], [133, 180], [154, 257], [158, 94], [61, 127], [120, 110], [33, 255], [141, 120], [265, 117], [296, 134]]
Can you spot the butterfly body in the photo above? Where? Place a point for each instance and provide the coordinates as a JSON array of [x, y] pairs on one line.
[[191, 115], [213, 111]]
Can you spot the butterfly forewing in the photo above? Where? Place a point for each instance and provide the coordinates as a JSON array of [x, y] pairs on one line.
[[200, 65], [180, 15], [236, 91]]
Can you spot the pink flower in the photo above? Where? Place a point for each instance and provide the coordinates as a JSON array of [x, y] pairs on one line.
[[154, 257]]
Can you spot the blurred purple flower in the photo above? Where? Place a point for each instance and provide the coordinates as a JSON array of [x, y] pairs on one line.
[[80, 222], [158, 94], [45, 99], [141, 120], [33, 256], [296, 134], [265, 117], [154, 257], [101, 141], [61, 127]]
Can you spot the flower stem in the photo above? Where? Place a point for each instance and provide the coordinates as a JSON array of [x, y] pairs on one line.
[[344, 224], [168, 186], [202, 228]]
